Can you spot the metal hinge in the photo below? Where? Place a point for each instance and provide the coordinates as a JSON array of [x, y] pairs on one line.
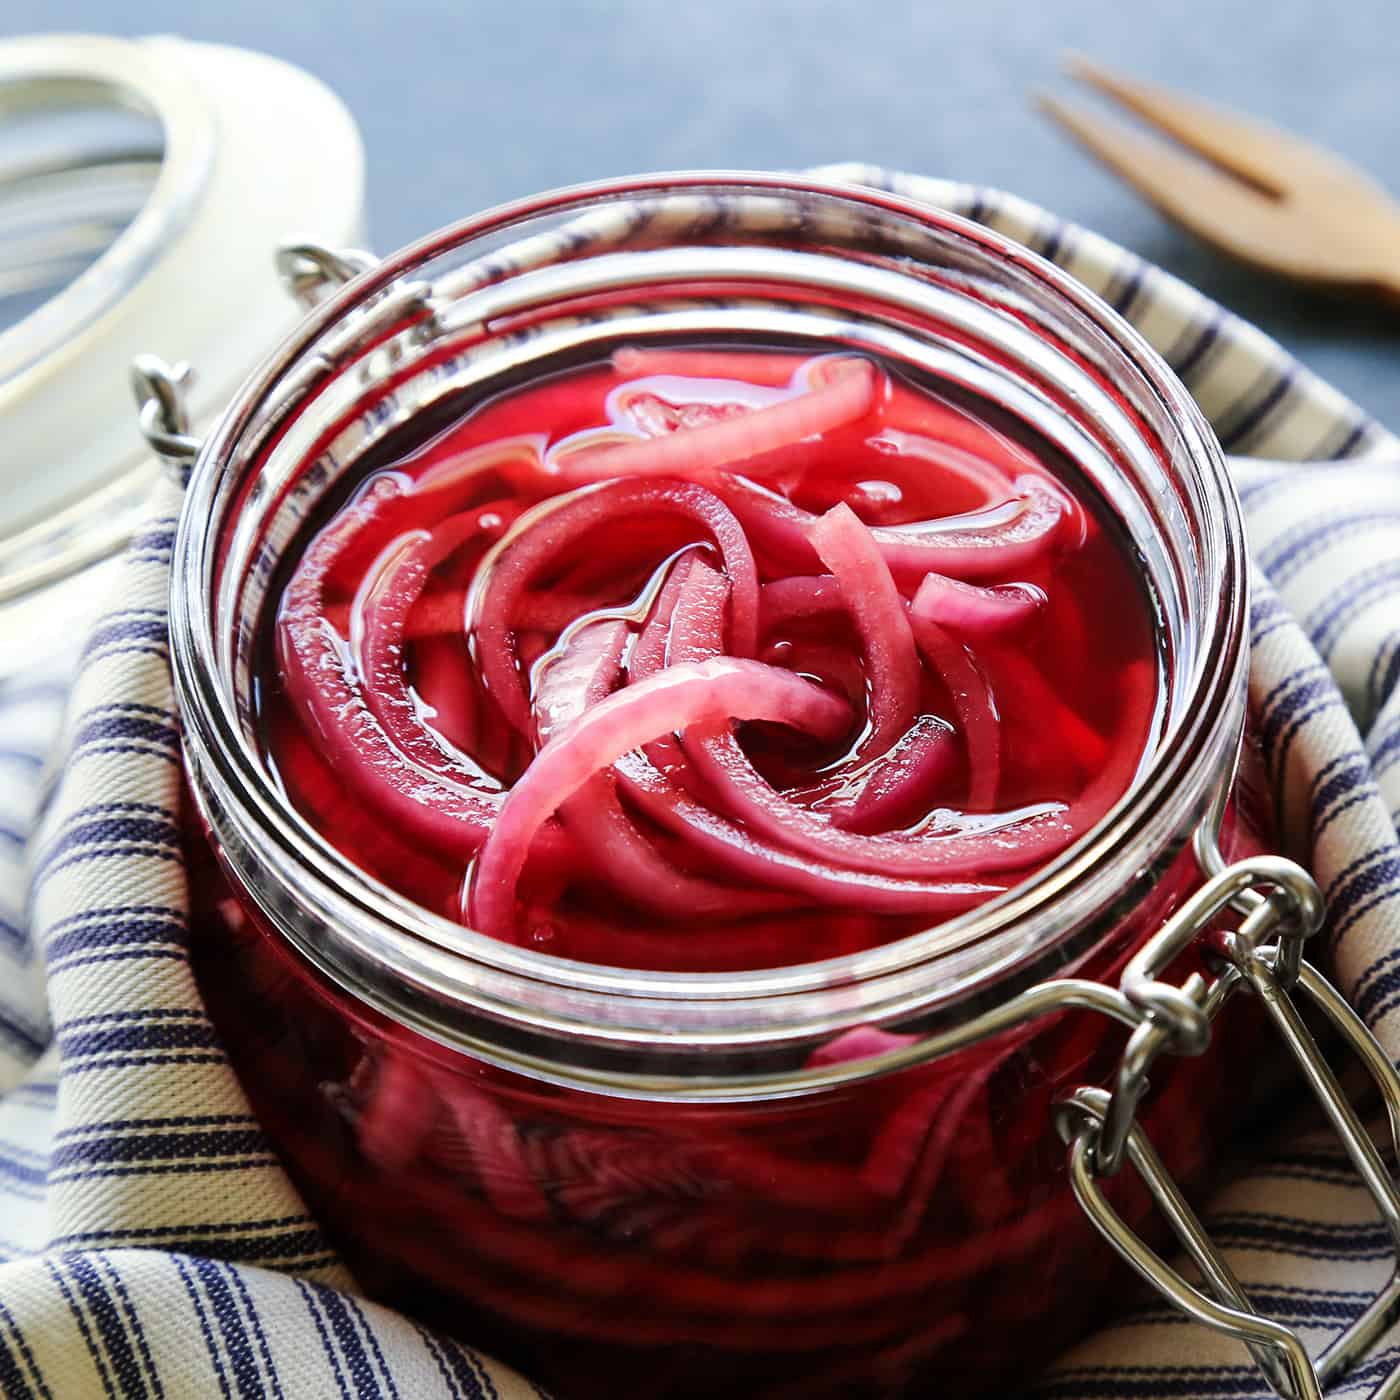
[[160, 391], [310, 272]]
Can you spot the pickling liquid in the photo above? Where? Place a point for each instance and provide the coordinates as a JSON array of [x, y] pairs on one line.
[[940, 661]]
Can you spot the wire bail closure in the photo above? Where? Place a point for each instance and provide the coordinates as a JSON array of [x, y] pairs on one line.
[[162, 414], [309, 271], [1263, 956]]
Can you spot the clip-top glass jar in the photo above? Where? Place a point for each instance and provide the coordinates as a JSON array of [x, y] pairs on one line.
[[653, 1182]]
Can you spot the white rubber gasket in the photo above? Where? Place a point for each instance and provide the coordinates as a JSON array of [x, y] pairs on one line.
[[256, 152]]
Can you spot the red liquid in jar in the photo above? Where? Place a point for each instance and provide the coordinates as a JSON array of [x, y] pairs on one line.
[[834, 658]]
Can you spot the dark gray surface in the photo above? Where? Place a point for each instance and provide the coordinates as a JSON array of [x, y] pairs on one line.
[[466, 104]]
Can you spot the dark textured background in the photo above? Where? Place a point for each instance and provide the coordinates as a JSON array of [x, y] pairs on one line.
[[465, 104]]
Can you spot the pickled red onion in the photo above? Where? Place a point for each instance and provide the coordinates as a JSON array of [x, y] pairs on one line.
[[751, 857], [901, 783], [798, 596], [498, 687], [980, 544], [973, 611], [539, 536], [974, 704], [722, 445], [848, 549], [584, 673], [702, 693], [444, 805], [959, 852]]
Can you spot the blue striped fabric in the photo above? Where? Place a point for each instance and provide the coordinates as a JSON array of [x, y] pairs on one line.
[[150, 1245]]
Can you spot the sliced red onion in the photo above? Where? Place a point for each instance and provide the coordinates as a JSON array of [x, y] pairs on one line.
[[453, 810], [974, 611], [750, 857], [847, 548], [649, 651], [649, 656], [379, 617], [702, 694], [582, 674], [553, 527], [975, 706], [981, 544], [966, 848], [898, 786], [998, 540], [798, 597], [697, 624], [720, 446], [583, 670], [664, 405], [740, 366]]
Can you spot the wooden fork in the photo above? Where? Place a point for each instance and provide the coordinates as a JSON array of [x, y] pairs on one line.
[[1253, 191]]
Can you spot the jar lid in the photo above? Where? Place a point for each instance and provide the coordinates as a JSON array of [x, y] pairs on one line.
[[182, 166]]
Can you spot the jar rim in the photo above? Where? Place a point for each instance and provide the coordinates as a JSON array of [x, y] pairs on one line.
[[611, 1007]]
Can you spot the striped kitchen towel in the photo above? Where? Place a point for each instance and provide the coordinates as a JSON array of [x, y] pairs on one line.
[[150, 1245]]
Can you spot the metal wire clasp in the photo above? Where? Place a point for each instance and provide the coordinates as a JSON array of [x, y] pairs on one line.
[[1177, 1018], [309, 271], [1282, 907], [160, 391]]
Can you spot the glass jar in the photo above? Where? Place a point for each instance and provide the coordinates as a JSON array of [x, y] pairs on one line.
[[657, 1182]]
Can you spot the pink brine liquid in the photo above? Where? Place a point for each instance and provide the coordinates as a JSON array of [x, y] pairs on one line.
[[705, 659]]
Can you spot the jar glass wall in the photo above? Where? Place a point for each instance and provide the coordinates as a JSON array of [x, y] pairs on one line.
[[604, 1169]]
